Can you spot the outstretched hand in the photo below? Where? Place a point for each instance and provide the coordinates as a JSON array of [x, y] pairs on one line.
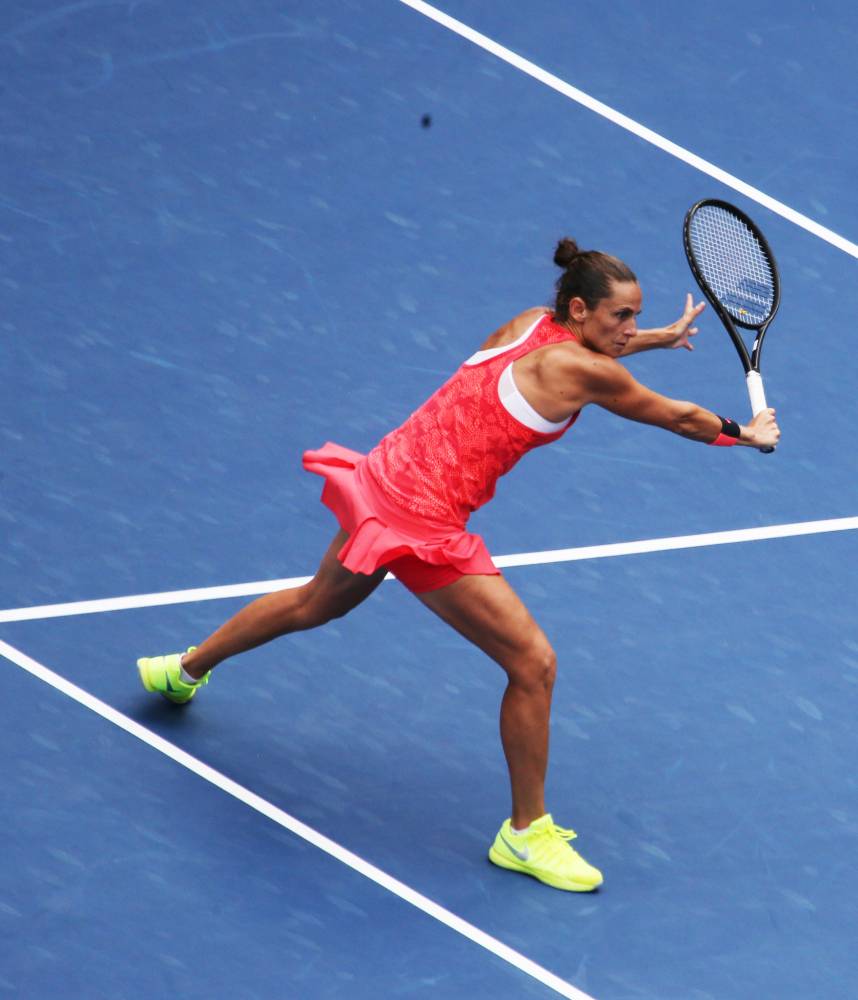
[[679, 334]]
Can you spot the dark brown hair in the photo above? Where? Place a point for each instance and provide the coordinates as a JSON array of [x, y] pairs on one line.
[[587, 275]]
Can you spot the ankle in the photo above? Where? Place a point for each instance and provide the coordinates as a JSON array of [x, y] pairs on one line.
[[188, 669], [522, 821]]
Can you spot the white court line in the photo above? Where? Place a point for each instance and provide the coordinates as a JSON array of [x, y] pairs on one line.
[[550, 80], [732, 537], [277, 815], [295, 826]]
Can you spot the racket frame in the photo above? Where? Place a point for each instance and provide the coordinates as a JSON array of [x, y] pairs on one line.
[[750, 361]]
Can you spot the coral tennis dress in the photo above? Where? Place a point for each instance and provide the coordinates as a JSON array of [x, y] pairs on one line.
[[405, 504]]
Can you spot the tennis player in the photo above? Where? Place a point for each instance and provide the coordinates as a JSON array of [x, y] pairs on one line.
[[403, 508]]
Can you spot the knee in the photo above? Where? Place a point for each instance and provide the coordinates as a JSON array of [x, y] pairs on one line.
[[316, 607], [536, 669]]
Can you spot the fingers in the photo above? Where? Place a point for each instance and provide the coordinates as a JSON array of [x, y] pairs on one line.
[[691, 311], [678, 333], [766, 419]]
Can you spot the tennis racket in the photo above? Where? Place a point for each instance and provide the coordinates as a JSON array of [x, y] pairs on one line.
[[731, 261]]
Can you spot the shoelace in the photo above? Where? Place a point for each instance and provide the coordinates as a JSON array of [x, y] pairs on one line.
[[564, 834], [557, 839]]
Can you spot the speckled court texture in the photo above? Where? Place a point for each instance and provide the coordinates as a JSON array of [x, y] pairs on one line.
[[226, 236]]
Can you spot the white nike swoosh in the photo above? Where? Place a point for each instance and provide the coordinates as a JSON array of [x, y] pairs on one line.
[[521, 855]]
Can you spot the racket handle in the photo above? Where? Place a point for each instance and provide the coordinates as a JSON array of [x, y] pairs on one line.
[[757, 395], [756, 392]]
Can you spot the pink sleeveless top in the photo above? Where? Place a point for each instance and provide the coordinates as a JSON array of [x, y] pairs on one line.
[[445, 460]]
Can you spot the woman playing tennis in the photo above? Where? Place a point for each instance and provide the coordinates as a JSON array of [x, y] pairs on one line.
[[403, 508]]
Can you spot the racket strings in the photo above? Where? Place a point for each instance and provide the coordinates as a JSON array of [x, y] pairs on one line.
[[733, 264]]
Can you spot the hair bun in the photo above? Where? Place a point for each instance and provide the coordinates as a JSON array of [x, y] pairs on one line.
[[567, 250]]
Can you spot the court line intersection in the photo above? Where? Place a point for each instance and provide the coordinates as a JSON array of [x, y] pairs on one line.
[[293, 825]]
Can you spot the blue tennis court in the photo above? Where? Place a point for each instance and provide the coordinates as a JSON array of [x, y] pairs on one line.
[[227, 235]]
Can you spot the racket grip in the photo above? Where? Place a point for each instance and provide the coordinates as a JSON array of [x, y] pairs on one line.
[[757, 394], [754, 382]]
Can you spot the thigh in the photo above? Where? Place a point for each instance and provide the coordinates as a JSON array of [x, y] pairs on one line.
[[489, 613], [335, 590]]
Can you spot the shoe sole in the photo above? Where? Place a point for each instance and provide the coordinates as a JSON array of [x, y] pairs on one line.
[[516, 866]]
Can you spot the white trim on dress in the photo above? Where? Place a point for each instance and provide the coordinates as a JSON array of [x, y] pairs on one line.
[[517, 406], [493, 352]]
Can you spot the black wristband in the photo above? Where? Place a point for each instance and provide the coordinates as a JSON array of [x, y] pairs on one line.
[[730, 428]]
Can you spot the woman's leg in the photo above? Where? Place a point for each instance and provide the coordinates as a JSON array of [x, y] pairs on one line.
[[332, 593], [488, 612]]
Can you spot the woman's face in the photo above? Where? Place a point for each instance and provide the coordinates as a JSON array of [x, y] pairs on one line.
[[609, 326]]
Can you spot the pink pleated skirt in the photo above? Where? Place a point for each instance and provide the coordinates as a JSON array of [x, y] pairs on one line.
[[423, 555]]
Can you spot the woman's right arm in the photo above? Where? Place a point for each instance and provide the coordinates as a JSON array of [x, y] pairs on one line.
[[610, 385]]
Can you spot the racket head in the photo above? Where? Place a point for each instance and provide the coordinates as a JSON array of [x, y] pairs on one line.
[[732, 263]]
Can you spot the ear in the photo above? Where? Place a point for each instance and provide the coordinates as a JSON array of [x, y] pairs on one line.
[[578, 309]]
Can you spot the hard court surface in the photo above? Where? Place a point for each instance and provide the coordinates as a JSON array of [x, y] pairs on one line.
[[225, 237]]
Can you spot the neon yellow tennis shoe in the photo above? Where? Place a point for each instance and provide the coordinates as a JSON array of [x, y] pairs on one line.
[[544, 852], [163, 674]]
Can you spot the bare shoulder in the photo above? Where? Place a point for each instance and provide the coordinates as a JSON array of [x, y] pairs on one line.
[[515, 327], [574, 372], [569, 357]]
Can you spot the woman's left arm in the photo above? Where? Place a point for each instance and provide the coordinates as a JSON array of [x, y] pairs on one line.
[[678, 334]]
